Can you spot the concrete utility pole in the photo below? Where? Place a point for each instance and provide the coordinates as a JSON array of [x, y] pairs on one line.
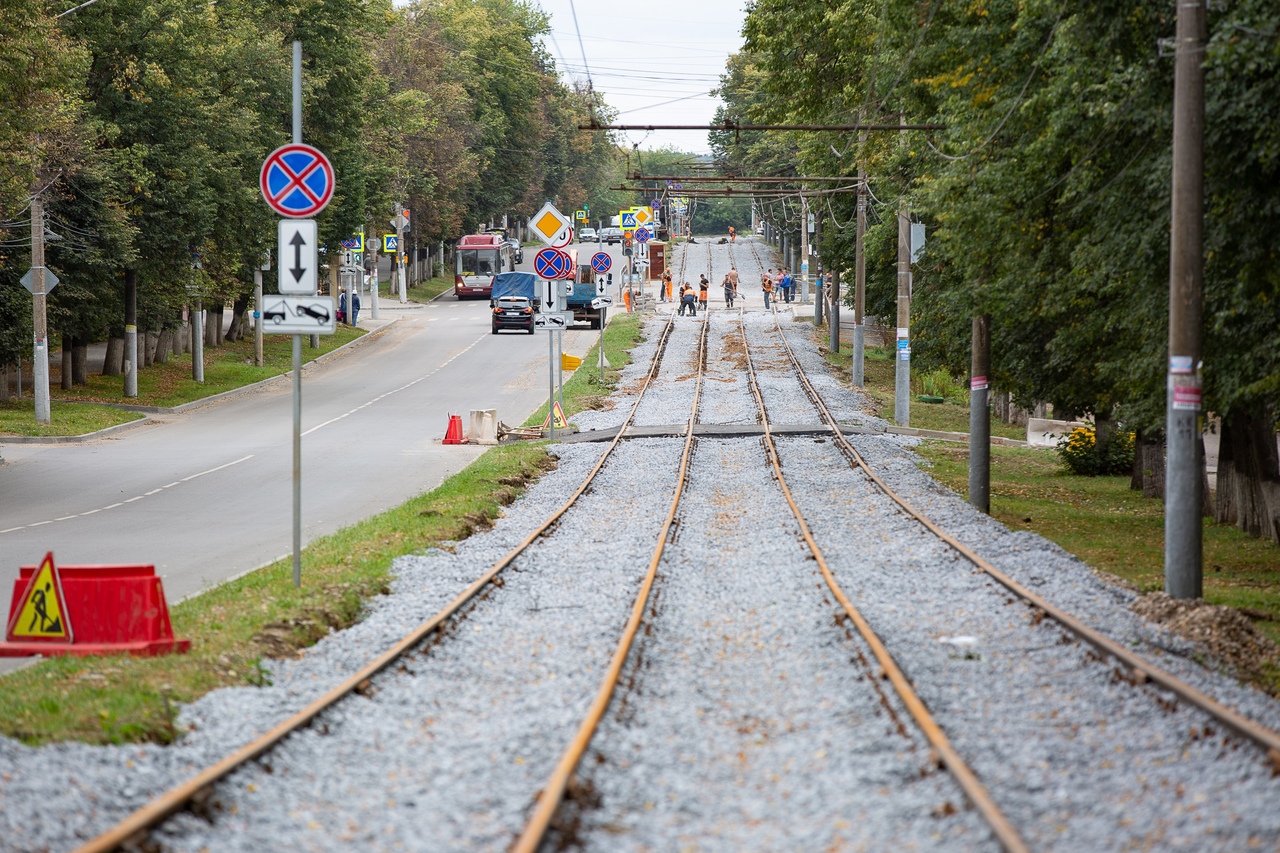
[[39, 317], [860, 277], [804, 250], [257, 314], [399, 256], [902, 373], [979, 419], [1183, 568]]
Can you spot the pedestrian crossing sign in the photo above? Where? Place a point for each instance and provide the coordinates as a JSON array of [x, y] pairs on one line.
[[40, 613], [561, 421]]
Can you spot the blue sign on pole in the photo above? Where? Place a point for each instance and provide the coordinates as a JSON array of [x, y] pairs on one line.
[[657, 203], [628, 221], [601, 262], [643, 235], [296, 181]]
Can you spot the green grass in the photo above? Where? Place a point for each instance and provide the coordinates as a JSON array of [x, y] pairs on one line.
[[425, 291], [878, 376], [226, 368], [18, 417], [1114, 528], [584, 389], [232, 627]]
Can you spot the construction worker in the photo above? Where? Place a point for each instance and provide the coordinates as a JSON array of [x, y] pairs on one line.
[[703, 287], [732, 234], [688, 299], [664, 289]]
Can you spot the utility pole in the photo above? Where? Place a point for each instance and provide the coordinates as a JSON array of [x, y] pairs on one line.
[[902, 373], [979, 419], [804, 251], [39, 316], [399, 256], [860, 271], [1183, 568]]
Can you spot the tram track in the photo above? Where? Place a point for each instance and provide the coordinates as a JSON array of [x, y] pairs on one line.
[[198, 789], [1137, 669]]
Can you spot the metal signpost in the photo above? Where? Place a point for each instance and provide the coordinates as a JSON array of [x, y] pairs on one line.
[[297, 182]]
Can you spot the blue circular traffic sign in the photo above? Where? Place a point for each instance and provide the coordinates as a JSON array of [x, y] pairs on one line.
[[552, 263], [297, 181], [643, 235], [601, 262]]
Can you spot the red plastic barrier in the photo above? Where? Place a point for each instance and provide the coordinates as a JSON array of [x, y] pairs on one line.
[[107, 610]]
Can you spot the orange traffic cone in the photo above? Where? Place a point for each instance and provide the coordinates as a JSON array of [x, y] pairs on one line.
[[453, 435]]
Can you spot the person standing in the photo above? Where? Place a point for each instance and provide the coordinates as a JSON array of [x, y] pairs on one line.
[[664, 289], [342, 305], [729, 292], [732, 234], [703, 287], [355, 307], [766, 285]]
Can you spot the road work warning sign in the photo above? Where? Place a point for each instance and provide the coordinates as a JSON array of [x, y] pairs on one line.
[[42, 612], [561, 421]]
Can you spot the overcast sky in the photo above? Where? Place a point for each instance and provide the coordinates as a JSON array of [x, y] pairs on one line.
[[655, 61]]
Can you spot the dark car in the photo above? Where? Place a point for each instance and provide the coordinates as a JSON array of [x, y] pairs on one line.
[[516, 249], [512, 312], [611, 235]]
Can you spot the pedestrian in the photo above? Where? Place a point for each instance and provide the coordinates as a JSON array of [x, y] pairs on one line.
[[664, 289], [766, 285], [732, 234], [729, 291], [733, 277], [342, 305], [355, 307], [703, 287]]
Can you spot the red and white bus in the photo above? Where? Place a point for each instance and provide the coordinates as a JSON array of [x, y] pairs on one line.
[[477, 259]]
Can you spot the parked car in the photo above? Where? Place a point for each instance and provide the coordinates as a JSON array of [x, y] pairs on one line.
[[512, 312], [611, 235], [588, 235], [517, 250]]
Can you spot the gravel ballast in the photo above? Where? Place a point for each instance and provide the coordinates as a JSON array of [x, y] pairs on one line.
[[749, 716]]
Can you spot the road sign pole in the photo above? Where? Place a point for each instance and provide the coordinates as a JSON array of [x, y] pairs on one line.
[[257, 320], [559, 333], [551, 394], [297, 460], [404, 289], [603, 317]]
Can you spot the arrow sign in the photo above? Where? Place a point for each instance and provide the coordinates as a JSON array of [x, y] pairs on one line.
[[298, 248]]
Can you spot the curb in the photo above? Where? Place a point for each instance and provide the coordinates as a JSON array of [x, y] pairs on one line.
[[960, 437], [173, 410]]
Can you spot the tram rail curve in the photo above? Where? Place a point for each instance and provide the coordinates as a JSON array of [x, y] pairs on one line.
[[132, 831]]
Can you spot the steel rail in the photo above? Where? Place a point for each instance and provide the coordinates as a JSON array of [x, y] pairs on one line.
[[1140, 669], [735, 126], [553, 792], [943, 750], [127, 831]]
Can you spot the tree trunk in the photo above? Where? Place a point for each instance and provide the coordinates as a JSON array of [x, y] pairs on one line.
[[1249, 474], [164, 346], [238, 309], [79, 361], [1206, 496], [113, 364], [148, 349], [1148, 464], [4, 384], [213, 326], [66, 362], [180, 339]]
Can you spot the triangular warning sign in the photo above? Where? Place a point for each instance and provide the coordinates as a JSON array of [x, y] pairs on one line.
[[41, 613], [561, 421]]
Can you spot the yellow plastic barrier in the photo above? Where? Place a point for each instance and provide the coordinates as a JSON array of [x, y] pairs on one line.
[[569, 362]]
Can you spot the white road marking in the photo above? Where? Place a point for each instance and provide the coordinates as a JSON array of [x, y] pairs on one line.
[[404, 387], [130, 500]]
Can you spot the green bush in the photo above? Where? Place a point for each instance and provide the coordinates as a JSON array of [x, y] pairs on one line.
[[940, 383], [1083, 454]]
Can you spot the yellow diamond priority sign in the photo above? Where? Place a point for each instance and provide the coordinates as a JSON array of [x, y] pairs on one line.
[[550, 226], [643, 216]]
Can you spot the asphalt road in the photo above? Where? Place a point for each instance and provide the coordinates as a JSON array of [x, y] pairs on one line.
[[206, 495]]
